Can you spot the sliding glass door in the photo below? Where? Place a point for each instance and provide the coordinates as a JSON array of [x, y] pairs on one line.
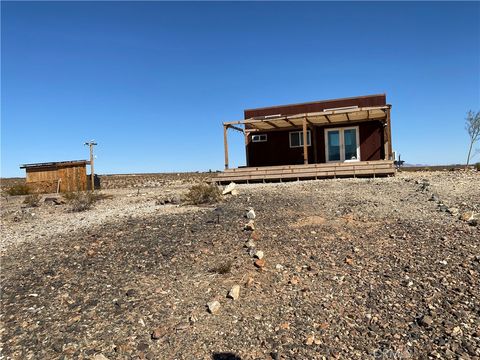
[[342, 144]]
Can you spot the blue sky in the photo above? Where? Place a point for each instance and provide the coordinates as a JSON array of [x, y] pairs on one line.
[[151, 82]]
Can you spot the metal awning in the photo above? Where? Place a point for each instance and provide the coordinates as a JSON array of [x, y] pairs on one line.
[[322, 118]]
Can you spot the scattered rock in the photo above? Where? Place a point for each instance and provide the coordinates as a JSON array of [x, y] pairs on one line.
[[426, 321], [250, 226], [229, 188], [279, 267], [234, 292], [213, 307], [100, 357], [250, 244], [310, 339], [452, 211], [349, 260], [249, 282], [158, 333], [234, 192], [260, 263], [467, 216], [251, 214], [259, 254]]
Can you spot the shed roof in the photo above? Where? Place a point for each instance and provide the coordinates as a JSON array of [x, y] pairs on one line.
[[55, 164]]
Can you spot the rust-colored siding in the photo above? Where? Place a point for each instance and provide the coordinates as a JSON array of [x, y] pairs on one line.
[[276, 150], [45, 179]]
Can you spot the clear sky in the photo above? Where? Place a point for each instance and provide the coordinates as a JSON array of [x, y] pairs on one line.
[[151, 82]]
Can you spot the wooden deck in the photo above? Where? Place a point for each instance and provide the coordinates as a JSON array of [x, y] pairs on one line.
[[308, 171]]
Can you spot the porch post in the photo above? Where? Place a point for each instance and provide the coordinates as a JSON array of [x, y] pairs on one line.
[[305, 147], [225, 144], [390, 150]]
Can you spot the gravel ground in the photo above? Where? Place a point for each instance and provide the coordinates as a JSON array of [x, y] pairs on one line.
[[353, 269]]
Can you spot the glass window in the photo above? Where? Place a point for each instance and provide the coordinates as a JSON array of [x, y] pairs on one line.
[[350, 141], [296, 138], [333, 145], [259, 138]]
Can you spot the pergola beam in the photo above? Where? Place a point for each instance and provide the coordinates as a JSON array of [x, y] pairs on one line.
[[305, 137]]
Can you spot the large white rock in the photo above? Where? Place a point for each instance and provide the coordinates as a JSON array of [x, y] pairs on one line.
[[251, 214], [228, 189], [234, 292], [213, 306]]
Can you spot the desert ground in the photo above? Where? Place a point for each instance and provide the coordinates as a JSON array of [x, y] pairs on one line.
[[385, 268]]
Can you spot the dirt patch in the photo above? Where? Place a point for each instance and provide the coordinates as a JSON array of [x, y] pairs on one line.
[[353, 269]]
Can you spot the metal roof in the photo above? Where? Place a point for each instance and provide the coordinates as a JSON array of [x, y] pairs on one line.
[[55, 164]]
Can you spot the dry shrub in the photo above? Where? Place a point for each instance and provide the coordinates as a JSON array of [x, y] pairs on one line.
[[477, 166], [20, 189], [223, 268], [203, 194], [83, 200], [33, 200]]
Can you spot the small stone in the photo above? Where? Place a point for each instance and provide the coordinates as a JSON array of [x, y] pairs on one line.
[[250, 244], [310, 340], [279, 267], [213, 307], [158, 333], [131, 292], [452, 211], [250, 226], [229, 188], [426, 321], [251, 214], [348, 260], [260, 263], [234, 292], [456, 331], [259, 254], [100, 357], [249, 282], [467, 216], [234, 192]]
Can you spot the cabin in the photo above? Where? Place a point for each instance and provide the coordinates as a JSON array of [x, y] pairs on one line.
[[321, 139], [62, 176]]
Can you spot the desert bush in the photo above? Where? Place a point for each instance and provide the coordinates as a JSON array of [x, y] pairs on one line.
[[20, 189], [203, 194], [32, 200], [477, 166], [223, 268], [83, 200]]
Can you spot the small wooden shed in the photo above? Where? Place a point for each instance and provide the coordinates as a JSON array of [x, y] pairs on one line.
[[62, 176]]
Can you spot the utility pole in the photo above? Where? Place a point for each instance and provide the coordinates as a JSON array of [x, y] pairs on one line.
[[91, 144]]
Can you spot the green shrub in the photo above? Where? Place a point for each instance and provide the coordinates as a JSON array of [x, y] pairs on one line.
[[20, 189], [203, 194], [33, 200]]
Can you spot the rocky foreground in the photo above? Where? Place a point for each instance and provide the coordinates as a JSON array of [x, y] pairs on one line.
[[348, 268]]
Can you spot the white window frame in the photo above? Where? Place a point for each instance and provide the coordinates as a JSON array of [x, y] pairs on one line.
[[259, 138], [341, 131], [309, 138]]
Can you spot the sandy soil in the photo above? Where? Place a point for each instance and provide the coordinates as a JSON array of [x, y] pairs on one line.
[[354, 269]]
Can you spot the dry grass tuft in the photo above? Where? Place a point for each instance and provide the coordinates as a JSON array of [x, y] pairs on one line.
[[203, 194], [223, 268], [18, 190], [33, 200], [83, 200]]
